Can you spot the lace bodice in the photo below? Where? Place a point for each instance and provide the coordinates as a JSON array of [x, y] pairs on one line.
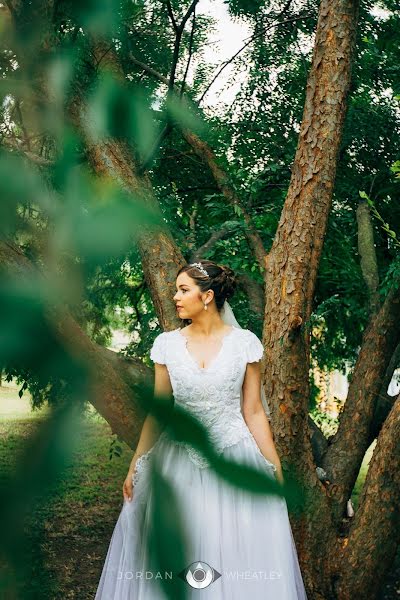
[[211, 394]]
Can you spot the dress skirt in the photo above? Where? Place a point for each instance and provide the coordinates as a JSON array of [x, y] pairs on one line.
[[239, 544]]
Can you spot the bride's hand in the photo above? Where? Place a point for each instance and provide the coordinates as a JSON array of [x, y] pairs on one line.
[[127, 488]]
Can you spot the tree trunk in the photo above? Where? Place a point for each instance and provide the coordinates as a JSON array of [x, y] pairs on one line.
[[113, 379], [366, 250], [346, 450], [292, 266], [206, 154], [375, 534], [161, 258]]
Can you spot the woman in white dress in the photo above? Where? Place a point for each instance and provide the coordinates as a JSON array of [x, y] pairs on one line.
[[239, 544]]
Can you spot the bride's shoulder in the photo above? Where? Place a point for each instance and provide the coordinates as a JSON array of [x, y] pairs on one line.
[[164, 336], [252, 346], [246, 333], [158, 351], [170, 332]]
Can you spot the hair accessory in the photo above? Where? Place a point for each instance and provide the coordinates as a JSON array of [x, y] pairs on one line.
[[200, 268]]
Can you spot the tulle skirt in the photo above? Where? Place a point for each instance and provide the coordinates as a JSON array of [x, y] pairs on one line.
[[239, 544]]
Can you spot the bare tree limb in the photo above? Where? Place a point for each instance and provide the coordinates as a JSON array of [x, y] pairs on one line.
[[346, 451], [189, 11], [31, 156], [205, 153], [148, 69], [366, 249], [246, 45], [219, 234], [171, 15], [179, 29], [375, 532], [191, 40], [178, 38]]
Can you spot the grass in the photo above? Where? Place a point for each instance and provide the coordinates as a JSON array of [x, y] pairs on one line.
[[68, 531]]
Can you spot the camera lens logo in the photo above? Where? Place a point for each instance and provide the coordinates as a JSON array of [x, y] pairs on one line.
[[199, 575]]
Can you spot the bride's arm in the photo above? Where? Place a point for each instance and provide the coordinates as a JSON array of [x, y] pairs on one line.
[[255, 417], [152, 427]]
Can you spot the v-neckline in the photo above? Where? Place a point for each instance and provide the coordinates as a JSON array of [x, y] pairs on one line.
[[216, 357]]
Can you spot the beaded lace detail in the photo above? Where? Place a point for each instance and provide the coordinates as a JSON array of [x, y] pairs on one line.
[[211, 394], [140, 465]]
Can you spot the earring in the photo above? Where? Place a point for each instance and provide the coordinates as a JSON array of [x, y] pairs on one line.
[[205, 306]]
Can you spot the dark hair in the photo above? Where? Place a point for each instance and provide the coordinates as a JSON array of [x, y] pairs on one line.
[[221, 279]]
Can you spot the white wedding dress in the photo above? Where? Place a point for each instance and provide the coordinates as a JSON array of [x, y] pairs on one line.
[[241, 545]]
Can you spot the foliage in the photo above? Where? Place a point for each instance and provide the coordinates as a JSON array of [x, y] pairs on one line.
[[61, 95], [327, 424], [258, 133], [385, 226]]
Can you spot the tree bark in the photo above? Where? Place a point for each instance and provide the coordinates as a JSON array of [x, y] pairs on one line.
[[366, 249], [374, 536], [161, 258], [346, 450], [206, 154], [113, 380], [292, 266]]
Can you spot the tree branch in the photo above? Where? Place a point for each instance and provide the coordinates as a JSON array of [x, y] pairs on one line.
[[171, 15], [113, 379], [346, 450], [246, 45], [366, 249], [178, 38], [191, 40], [149, 70], [31, 156], [384, 402], [189, 11], [375, 532], [205, 153], [226, 230], [171, 81]]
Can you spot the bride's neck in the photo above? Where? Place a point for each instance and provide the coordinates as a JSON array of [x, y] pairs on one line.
[[208, 327]]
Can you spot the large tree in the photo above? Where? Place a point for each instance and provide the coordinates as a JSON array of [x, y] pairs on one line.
[[158, 162]]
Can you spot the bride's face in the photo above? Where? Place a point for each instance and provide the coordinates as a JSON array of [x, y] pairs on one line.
[[189, 299]]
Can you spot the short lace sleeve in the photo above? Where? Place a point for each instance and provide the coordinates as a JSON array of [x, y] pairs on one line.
[[158, 350], [253, 347]]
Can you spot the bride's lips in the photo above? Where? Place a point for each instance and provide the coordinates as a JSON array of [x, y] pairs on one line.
[[179, 307]]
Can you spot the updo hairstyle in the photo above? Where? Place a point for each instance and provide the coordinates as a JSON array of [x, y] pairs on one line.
[[221, 280]]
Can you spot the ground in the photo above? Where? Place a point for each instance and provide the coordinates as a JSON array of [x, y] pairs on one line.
[[68, 533]]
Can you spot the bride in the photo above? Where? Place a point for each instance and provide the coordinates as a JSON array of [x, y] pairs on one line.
[[238, 544]]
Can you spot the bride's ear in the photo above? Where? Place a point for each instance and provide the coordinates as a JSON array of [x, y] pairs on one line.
[[209, 295]]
